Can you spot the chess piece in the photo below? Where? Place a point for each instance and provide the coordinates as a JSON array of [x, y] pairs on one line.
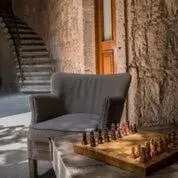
[[143, 155], [113, 132], [173, 138], [92, 139], [118, 133], [133, 153], [155, 147], [132, 128], [173, 122], [138, 153], [135, 128], [106, 136], [152, 149], [128, 127], [100, 137], [84, 140], [147, 147]]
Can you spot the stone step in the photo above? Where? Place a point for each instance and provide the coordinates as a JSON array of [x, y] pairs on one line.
[[36, 61], [36, 74], [36, 68], [34, 54], [35, 82], [37, 78], [35, 89], [19, 26], [20, 30], [13, 20], [32, 42], [31, 36], [32, 47], [15, 36]]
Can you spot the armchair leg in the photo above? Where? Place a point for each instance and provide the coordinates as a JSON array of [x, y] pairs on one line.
[[33, 170]]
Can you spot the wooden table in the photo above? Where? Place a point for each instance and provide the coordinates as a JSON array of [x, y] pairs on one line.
[[68, 164]]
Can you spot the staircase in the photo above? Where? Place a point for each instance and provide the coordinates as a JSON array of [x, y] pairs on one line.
[[34, 66]]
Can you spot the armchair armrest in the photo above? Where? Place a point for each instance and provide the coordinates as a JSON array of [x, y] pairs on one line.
[[111, 111], [45, 107]]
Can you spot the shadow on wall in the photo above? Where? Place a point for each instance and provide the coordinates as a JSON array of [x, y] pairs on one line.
[[7, 66], [13, 154]]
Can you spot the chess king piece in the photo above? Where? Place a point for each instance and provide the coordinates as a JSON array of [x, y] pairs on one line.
[[100, 137], [135, 128], [138, 153], [84, 140], [128, 127], [147, 147], [133, 153], [143, 155], [118, 133], [92, 139], [174, 138], [113, 132], [152, 149], [106, 136]]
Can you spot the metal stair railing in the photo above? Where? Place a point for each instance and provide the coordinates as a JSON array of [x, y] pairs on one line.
[[15, 35]]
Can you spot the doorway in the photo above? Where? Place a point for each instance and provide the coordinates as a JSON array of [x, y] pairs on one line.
[[105, 27]]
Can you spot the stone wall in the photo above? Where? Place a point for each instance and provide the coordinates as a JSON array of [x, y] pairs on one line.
[[7, 66], [151, 56], [153, 60], [67, 28]]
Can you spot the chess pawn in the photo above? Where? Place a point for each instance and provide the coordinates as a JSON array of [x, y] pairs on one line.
[[84, 140], [92, 139], [132, 128], [138, 153], [100, 138], [106, 136], [174, 138], [118, 133], [147, 147], [135, 128], [152, 149], [133, 153], [143, 155]]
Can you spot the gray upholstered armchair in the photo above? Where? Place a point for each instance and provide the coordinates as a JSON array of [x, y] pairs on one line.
[[77, 103]]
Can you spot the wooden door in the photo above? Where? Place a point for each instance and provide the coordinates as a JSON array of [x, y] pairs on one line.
[[105, 36]]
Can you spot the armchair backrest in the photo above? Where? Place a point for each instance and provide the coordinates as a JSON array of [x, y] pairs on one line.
[[85, 93]]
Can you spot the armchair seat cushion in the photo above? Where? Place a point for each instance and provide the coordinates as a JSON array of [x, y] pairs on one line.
[[78, 122]]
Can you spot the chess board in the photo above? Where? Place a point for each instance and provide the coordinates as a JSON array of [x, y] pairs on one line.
[[119, 153]]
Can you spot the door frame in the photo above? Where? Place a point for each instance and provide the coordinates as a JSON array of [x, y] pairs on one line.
[[99, 31]]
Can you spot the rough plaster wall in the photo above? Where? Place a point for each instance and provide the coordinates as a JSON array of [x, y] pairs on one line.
[[66, 34], [153, 32], [36, 14], [7, 69], [120, 59], [89, 35]]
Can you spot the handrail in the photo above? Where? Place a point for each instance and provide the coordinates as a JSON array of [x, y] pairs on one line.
[[16, 40]]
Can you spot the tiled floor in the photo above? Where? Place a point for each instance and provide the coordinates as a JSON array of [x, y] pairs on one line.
[[14, 120]]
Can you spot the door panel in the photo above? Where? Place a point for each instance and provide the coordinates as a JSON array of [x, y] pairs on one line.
[[108, 63], [105, 35]]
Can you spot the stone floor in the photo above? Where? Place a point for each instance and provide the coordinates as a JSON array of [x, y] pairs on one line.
[[14, 120]]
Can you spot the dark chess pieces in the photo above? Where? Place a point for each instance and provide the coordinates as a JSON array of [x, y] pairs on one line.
[[84, 140], [106, 136], [113, 132], [92, 139], [135, 128], [143, 158], [133, 153], [118, 133], [173, 138], [100, 137]]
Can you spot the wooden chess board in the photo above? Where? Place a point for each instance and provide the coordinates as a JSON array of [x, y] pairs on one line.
[[119, 153]]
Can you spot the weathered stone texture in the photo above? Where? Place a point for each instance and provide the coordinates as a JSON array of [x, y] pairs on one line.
[[7, 65], [66, 32], [153, 60], [89, 36], [36, 14]]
